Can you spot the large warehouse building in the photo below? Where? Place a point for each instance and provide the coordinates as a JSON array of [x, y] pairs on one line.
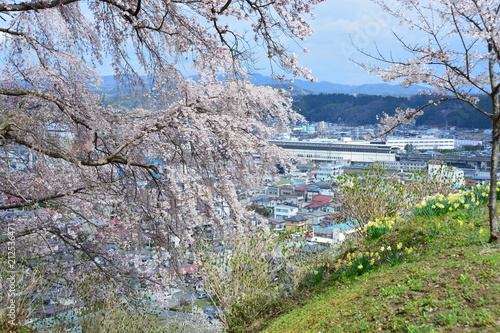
[[338, 151]]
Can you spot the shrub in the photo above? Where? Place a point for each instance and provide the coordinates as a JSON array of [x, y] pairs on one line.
[[378, 193], [255, 274]]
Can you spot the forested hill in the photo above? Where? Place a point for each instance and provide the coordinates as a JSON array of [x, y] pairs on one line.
[[355, 110]]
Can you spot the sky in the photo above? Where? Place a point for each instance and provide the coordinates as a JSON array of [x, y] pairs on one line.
[[338, 25]]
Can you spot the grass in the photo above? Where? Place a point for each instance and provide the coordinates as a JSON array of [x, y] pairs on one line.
[[424, 274], [444, 285]]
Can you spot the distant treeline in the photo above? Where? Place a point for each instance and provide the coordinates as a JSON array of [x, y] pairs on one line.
[[364, 110]]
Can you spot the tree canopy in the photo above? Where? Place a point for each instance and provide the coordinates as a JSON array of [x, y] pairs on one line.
[[90, 176], [457, 58]]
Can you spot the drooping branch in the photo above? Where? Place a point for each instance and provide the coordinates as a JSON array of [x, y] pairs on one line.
[[462, 69], [36, 5], [406, 116], [26, 202]]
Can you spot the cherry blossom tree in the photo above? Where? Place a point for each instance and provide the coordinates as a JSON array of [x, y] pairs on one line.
[[89, 173], [458, 60]]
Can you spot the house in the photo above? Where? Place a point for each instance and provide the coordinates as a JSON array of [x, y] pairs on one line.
[[332, 234], [311, 206], [296, 223], [284, 211], [322, 198], [264, 201], [325, 188], [273, 191], [276, 224], [292, 200], [319, 203], [311, 191], [286, 190], [314, 218], [300, 191]]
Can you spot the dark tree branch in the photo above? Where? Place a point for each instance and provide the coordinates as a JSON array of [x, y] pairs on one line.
[[37, 5], [26, 202]]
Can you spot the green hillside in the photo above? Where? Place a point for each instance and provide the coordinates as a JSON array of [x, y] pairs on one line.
[[357, 110], [448, 283], [431, 271]]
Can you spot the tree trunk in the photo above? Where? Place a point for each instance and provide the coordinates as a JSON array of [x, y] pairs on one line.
[[495, 150]]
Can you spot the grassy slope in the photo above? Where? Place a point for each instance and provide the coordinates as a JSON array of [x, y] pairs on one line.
[[445, 285]]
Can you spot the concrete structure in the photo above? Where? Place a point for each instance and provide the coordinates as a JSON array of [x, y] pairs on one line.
[[339, 152], [422, 143], [468, 142]]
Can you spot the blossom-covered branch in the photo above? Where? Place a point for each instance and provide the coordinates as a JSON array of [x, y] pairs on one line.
[[459, 60]]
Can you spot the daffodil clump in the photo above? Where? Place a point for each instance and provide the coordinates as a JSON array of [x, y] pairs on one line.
[[471, 231], [439, 204], [394, 255], [381, 226], [316, 273], [357, 263]]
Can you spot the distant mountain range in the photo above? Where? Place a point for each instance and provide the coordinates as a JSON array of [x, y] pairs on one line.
[[302, 87], [350, 104]]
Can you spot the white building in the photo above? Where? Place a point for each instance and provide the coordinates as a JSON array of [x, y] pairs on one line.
[[340, 152], [465, 142], [329, 171], [334, 234], [422, 143], [282, 212]]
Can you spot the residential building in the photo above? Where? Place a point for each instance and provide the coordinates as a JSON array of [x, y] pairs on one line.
[[284, 211], [296, 223], [332, 234], [314, 218], [263, 201], [273, 191]]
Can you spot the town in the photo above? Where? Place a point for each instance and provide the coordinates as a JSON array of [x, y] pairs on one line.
[[248, 166], [304, 201]]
